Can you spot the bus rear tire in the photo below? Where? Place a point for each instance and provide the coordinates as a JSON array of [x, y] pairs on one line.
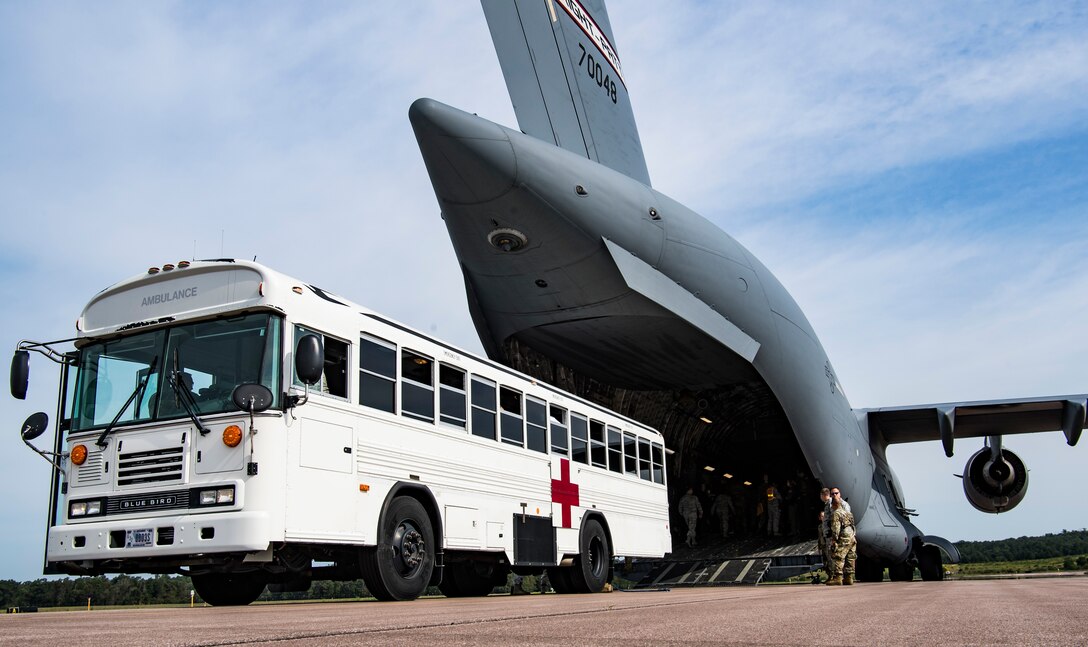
[[593, 566], [400, 566], [471, 579], [228, 589]]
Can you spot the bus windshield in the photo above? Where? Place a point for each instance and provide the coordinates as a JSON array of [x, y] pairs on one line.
[[209, 358]]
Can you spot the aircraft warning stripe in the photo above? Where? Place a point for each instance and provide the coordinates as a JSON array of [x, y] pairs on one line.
[[585, 21]]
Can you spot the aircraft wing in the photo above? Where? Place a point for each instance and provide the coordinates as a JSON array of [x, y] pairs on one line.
[[951, 420], [565, 79]]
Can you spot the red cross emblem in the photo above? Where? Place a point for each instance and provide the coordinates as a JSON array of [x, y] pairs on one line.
[[564, 491]]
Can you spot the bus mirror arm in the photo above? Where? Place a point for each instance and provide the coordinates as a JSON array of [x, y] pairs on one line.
[[32, 428], [295, 400]]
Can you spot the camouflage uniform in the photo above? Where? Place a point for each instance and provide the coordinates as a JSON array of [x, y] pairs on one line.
[[843, 546], [690, 510], [723, 507]]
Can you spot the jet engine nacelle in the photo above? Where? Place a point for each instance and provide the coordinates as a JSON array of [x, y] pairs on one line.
[[995, 484]]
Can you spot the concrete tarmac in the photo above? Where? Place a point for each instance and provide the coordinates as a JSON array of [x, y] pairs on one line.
[[990, 612]]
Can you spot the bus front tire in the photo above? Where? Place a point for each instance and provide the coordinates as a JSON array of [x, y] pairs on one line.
[[400, 566], [228, 589]]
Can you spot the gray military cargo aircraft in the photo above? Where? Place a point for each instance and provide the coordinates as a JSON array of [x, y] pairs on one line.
[[581, 274]]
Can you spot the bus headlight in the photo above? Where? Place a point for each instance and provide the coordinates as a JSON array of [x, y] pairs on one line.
[[85, 508], [216, 496]]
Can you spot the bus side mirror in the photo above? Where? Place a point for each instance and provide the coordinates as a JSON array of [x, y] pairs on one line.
[[309, 359], [20, 374], [34, 426], [253, 398]]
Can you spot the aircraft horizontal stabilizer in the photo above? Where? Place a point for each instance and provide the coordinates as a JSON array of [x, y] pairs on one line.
[[663, 291], [978, 419]]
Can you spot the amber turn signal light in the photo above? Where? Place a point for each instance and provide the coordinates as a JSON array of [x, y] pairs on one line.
[[232, 435]]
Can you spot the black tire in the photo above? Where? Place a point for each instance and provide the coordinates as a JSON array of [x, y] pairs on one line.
[[228, 589], [929, 564], [868, 571], [471, 579], [400, 566], [593, 566], [903, 572]]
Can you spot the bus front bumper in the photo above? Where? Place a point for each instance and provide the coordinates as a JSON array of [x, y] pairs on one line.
[[173, 539]]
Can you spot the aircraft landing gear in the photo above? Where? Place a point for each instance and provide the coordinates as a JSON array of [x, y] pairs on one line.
[[929, 564]]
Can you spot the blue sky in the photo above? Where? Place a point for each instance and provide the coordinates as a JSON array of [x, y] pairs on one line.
[[916, 175]]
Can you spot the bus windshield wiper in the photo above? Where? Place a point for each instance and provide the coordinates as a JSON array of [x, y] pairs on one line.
[[101, 442], [184, 396]]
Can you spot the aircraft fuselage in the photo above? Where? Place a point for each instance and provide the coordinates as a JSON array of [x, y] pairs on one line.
[[620, 282]]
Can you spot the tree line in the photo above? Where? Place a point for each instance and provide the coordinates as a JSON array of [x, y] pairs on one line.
[[1063, 544]]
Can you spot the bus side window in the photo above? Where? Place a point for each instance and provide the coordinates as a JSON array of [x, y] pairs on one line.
[[615, 450], [536, 425], [598, 451], [335, 380], [579, 438], [510, 421], [451, 396], [483, 407], [416, 386], [644, 471], [334, 377], [630, 455], [658, 463], [377, 374], [560, 440]]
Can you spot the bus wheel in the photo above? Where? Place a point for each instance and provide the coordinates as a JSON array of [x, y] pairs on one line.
[[228, 589], [400, 566], [593, 564], [471, 579]]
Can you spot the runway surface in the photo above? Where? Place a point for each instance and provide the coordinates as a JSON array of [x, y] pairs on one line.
[[991, 612]]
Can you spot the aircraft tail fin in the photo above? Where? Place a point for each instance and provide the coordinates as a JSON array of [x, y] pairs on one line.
[[565, 79]]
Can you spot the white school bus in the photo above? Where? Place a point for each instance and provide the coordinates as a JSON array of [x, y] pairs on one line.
[[222, 420]]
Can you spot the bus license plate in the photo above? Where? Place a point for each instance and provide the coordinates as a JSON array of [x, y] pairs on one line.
[[139, 538]]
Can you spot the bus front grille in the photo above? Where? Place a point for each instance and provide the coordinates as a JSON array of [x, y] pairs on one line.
[[154, 466]]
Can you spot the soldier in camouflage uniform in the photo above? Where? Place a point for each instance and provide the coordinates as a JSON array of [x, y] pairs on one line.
[[842, 543], [821, 543], [691, 510]]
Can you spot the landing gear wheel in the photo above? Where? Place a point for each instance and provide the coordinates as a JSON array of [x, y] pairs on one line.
[[400, 566], [903, 572], [228, 589], [593, 566], [868, 571], [471, 579], [929, 564]]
